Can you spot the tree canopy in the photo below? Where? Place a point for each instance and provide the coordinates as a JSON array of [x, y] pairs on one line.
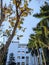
[[21, 10], [41, 36]]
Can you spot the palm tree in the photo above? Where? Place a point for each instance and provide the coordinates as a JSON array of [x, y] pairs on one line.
[[35, 44], [44, 12], [41, 31], [44, 25]]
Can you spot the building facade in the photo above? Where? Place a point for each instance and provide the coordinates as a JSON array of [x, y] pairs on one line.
[[21, 54]]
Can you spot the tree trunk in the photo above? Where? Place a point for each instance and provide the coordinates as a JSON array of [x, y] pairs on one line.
[[44, 58], [1, 13], [38, 57], [5, 48], [34, 60]]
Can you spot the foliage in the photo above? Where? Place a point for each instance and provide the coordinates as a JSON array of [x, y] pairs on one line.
[[21, 10], [44, 23], [44, 12], [11, 60], [42, 29], [41, 36]]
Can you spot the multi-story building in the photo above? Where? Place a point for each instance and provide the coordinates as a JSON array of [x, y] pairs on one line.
[[22, 55]]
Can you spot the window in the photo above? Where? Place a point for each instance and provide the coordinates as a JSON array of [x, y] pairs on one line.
[[27, 60], [27, 52], [18, 51], [27, 57], [18, 57], [27, 64], [23, 52], [23, 57], [23, 46], [23, 63], [18, 63], [19, 46]]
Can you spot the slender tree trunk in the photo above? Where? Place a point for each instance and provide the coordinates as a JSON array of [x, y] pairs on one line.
[[38, 57], [34, 60], [5, 48], [44, 58], [1, 12]]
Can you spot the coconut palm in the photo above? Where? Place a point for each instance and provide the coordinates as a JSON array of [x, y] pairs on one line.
[[41, 36], [44, 12], [41, 31], [36, 41], [35, 44], [44, 25]]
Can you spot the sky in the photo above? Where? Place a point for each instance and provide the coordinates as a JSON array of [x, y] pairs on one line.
[[29, 21]]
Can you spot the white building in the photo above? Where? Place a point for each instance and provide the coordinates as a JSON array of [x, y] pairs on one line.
[[21, 54]]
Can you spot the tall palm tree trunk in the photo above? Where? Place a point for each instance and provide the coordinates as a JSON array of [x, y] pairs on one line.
[[34, 60], [44, 60], [38, 57]]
